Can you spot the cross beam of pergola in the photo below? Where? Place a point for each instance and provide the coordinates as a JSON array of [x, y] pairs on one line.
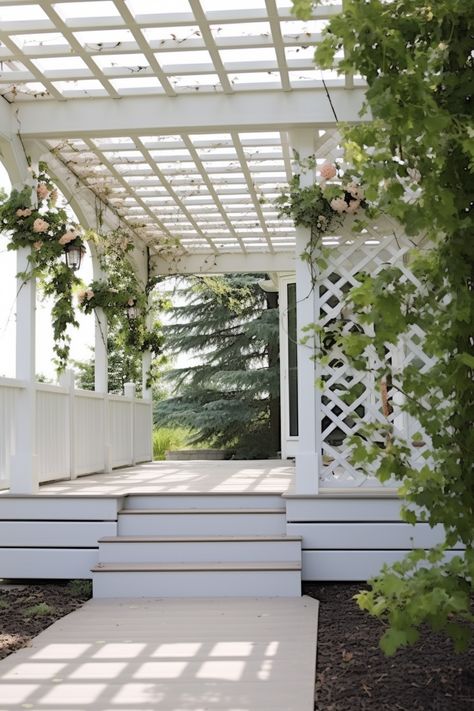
[[179, 121]]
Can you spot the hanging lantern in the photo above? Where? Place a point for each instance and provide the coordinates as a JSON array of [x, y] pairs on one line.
[[73, 255]]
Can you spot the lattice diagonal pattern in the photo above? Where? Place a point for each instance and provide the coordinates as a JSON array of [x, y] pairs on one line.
[[339, 416]]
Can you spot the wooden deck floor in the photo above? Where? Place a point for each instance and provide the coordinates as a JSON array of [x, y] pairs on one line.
[[171, 655], [183, 477]]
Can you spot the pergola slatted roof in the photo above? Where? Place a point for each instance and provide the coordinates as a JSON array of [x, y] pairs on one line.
[[178, 120]]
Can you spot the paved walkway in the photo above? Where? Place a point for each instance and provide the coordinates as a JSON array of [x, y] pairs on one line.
[[171, 655], [233, 476]]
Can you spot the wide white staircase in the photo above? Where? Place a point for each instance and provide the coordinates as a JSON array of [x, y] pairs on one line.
[[192, 545]]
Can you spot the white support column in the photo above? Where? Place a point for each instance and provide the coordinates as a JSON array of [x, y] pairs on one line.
[[66, 380], [309, 397], [101, 359], [24, 471], [146, 365], [129, 390]]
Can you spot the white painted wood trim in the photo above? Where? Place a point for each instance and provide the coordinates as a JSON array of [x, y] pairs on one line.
[[368, 535], [349, 565], [343, 509], [54, 534], [60, 563]]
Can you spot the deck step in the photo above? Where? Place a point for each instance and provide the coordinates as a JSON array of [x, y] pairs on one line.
[[208, 500], [168, 549], [212, 579], [201, 522]]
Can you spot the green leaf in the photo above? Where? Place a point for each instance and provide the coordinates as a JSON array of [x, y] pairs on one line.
[[467, 359]]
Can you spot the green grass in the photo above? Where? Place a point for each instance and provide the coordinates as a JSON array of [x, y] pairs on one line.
[[40, 610], [165, 438], [80, 588]]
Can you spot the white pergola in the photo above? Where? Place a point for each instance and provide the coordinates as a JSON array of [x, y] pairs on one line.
[[181, 126], [178, 121]]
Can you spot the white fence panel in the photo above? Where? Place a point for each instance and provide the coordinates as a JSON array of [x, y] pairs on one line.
[[143, 431], [89, 432], [121, 430], [52, 432], [77, 431], [9, 394]]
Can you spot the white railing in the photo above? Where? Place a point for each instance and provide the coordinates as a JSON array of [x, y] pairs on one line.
[[10, 391], [52, 432], [76, 431]]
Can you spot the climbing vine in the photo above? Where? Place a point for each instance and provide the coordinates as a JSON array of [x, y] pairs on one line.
[[124, 299], [415, 159], [32, 219]]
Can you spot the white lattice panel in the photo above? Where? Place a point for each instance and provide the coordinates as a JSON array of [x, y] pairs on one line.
[[340, 416]]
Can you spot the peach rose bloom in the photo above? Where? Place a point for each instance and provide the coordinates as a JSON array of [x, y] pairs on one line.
[[42, 191], [67, 237], [40, 225], [328, 171], [353, 207], [23, 213], [37, 245], [355, 190], [338, 204]]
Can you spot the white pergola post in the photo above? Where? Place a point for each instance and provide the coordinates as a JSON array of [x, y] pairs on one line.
[[101, 358], [309, 397], [24, 470], [146, 365], [24, 463]]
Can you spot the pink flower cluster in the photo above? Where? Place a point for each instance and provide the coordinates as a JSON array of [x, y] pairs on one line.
[[40, 225], [85, 295], [23, 213], [68, 236], [350, 203], [42, 191], [328, 171]]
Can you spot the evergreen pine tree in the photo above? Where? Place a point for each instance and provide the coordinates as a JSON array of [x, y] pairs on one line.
[[123, 367], [231, 396]]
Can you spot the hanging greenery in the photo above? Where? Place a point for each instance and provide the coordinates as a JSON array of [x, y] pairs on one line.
[[323, 205], [415, 158], [32, 219], [124, 299]]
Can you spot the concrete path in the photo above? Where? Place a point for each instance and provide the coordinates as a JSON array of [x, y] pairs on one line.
[[256, 654]]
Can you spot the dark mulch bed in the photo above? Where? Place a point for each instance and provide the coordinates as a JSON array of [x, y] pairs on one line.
[[353, 674], [27, 609]]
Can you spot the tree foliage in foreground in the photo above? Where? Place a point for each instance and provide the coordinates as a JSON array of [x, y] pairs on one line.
[[416, 57], [231, 396]]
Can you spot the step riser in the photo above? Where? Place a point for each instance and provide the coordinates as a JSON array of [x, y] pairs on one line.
[[214, 501], [205, 552], [201, 524], [239, 583]]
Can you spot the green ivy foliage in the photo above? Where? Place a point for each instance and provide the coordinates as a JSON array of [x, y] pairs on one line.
[[125, 300], [415, 159], [35, 221]]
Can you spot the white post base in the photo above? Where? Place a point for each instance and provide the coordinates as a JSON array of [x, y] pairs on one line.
[[307, 469], [24, 474]]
